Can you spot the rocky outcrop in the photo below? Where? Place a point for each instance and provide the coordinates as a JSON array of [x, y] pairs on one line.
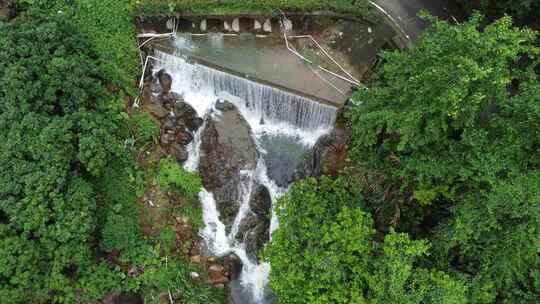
[[179, 121], [328, 157], [227, 148], [254, 230]]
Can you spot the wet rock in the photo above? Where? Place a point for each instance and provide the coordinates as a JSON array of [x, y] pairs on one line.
[[167, 138], [184, 110], [179, 152], [328, 156], [194, 124], [217, 274], [283, 156], [196, 259], [168, 100], [5, 9], [215, 269], [254, 229], [168, 124], [165, 80], [225, 106], [227, 148], [156, 110], [188, 115], [261, 202], [184, 138], [232, 264], [111, 298]]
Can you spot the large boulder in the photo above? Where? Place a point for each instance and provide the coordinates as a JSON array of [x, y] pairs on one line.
[[328, 157], [227, 148], [165, 80], [254, 230], [187, 114], [156, 110]]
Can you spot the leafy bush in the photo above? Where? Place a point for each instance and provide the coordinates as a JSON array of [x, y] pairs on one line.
[[121, 232], [108, 25], [326, 251], [174, 276], [497, 8], [58, 133], [172, 177], [145, 128], [453, 122]]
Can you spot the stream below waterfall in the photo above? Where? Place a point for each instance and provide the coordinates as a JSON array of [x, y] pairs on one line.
[[284, 128]]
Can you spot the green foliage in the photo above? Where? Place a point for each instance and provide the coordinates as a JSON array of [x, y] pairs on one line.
[[57, 129], [108, 25], [120, 186], [173, 275], [167, 236], [164, 273], [357, 7], [443, 108], [121, 232], [172, 177], [454, 123], [97, 280], [329, 253], [497, 8], [498, 236], [145, 129]]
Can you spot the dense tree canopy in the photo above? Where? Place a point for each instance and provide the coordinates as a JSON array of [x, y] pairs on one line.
[[497, 8], [57, 130], [326, 251], [455, 120]]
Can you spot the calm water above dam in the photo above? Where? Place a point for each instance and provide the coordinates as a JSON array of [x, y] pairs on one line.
[[264, 60]]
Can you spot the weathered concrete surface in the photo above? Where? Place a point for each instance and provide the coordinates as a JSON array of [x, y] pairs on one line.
[[405, 13]]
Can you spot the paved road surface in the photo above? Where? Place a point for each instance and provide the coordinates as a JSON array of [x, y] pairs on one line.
[[405, 13]]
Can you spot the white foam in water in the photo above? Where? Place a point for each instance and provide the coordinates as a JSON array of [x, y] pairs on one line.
[[283, 114], [214, 230], [194, 150]]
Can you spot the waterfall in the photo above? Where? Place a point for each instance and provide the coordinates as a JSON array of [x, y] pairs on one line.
[[269, 112], [263, 102]]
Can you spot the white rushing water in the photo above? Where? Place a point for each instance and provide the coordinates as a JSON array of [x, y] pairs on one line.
[[283, 114]]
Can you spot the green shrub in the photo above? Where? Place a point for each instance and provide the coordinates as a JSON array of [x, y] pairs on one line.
[[145, 129], [497, 8], [57, 134], [453, 123], [108, 25], [174, 275], [121, 232], [326, 251], [172, 177]]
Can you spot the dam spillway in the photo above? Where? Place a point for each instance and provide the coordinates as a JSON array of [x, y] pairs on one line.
[[266, 103], [263, 60]]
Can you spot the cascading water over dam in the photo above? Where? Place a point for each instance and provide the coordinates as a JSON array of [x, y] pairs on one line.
[[267, 103], [282, 127]]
